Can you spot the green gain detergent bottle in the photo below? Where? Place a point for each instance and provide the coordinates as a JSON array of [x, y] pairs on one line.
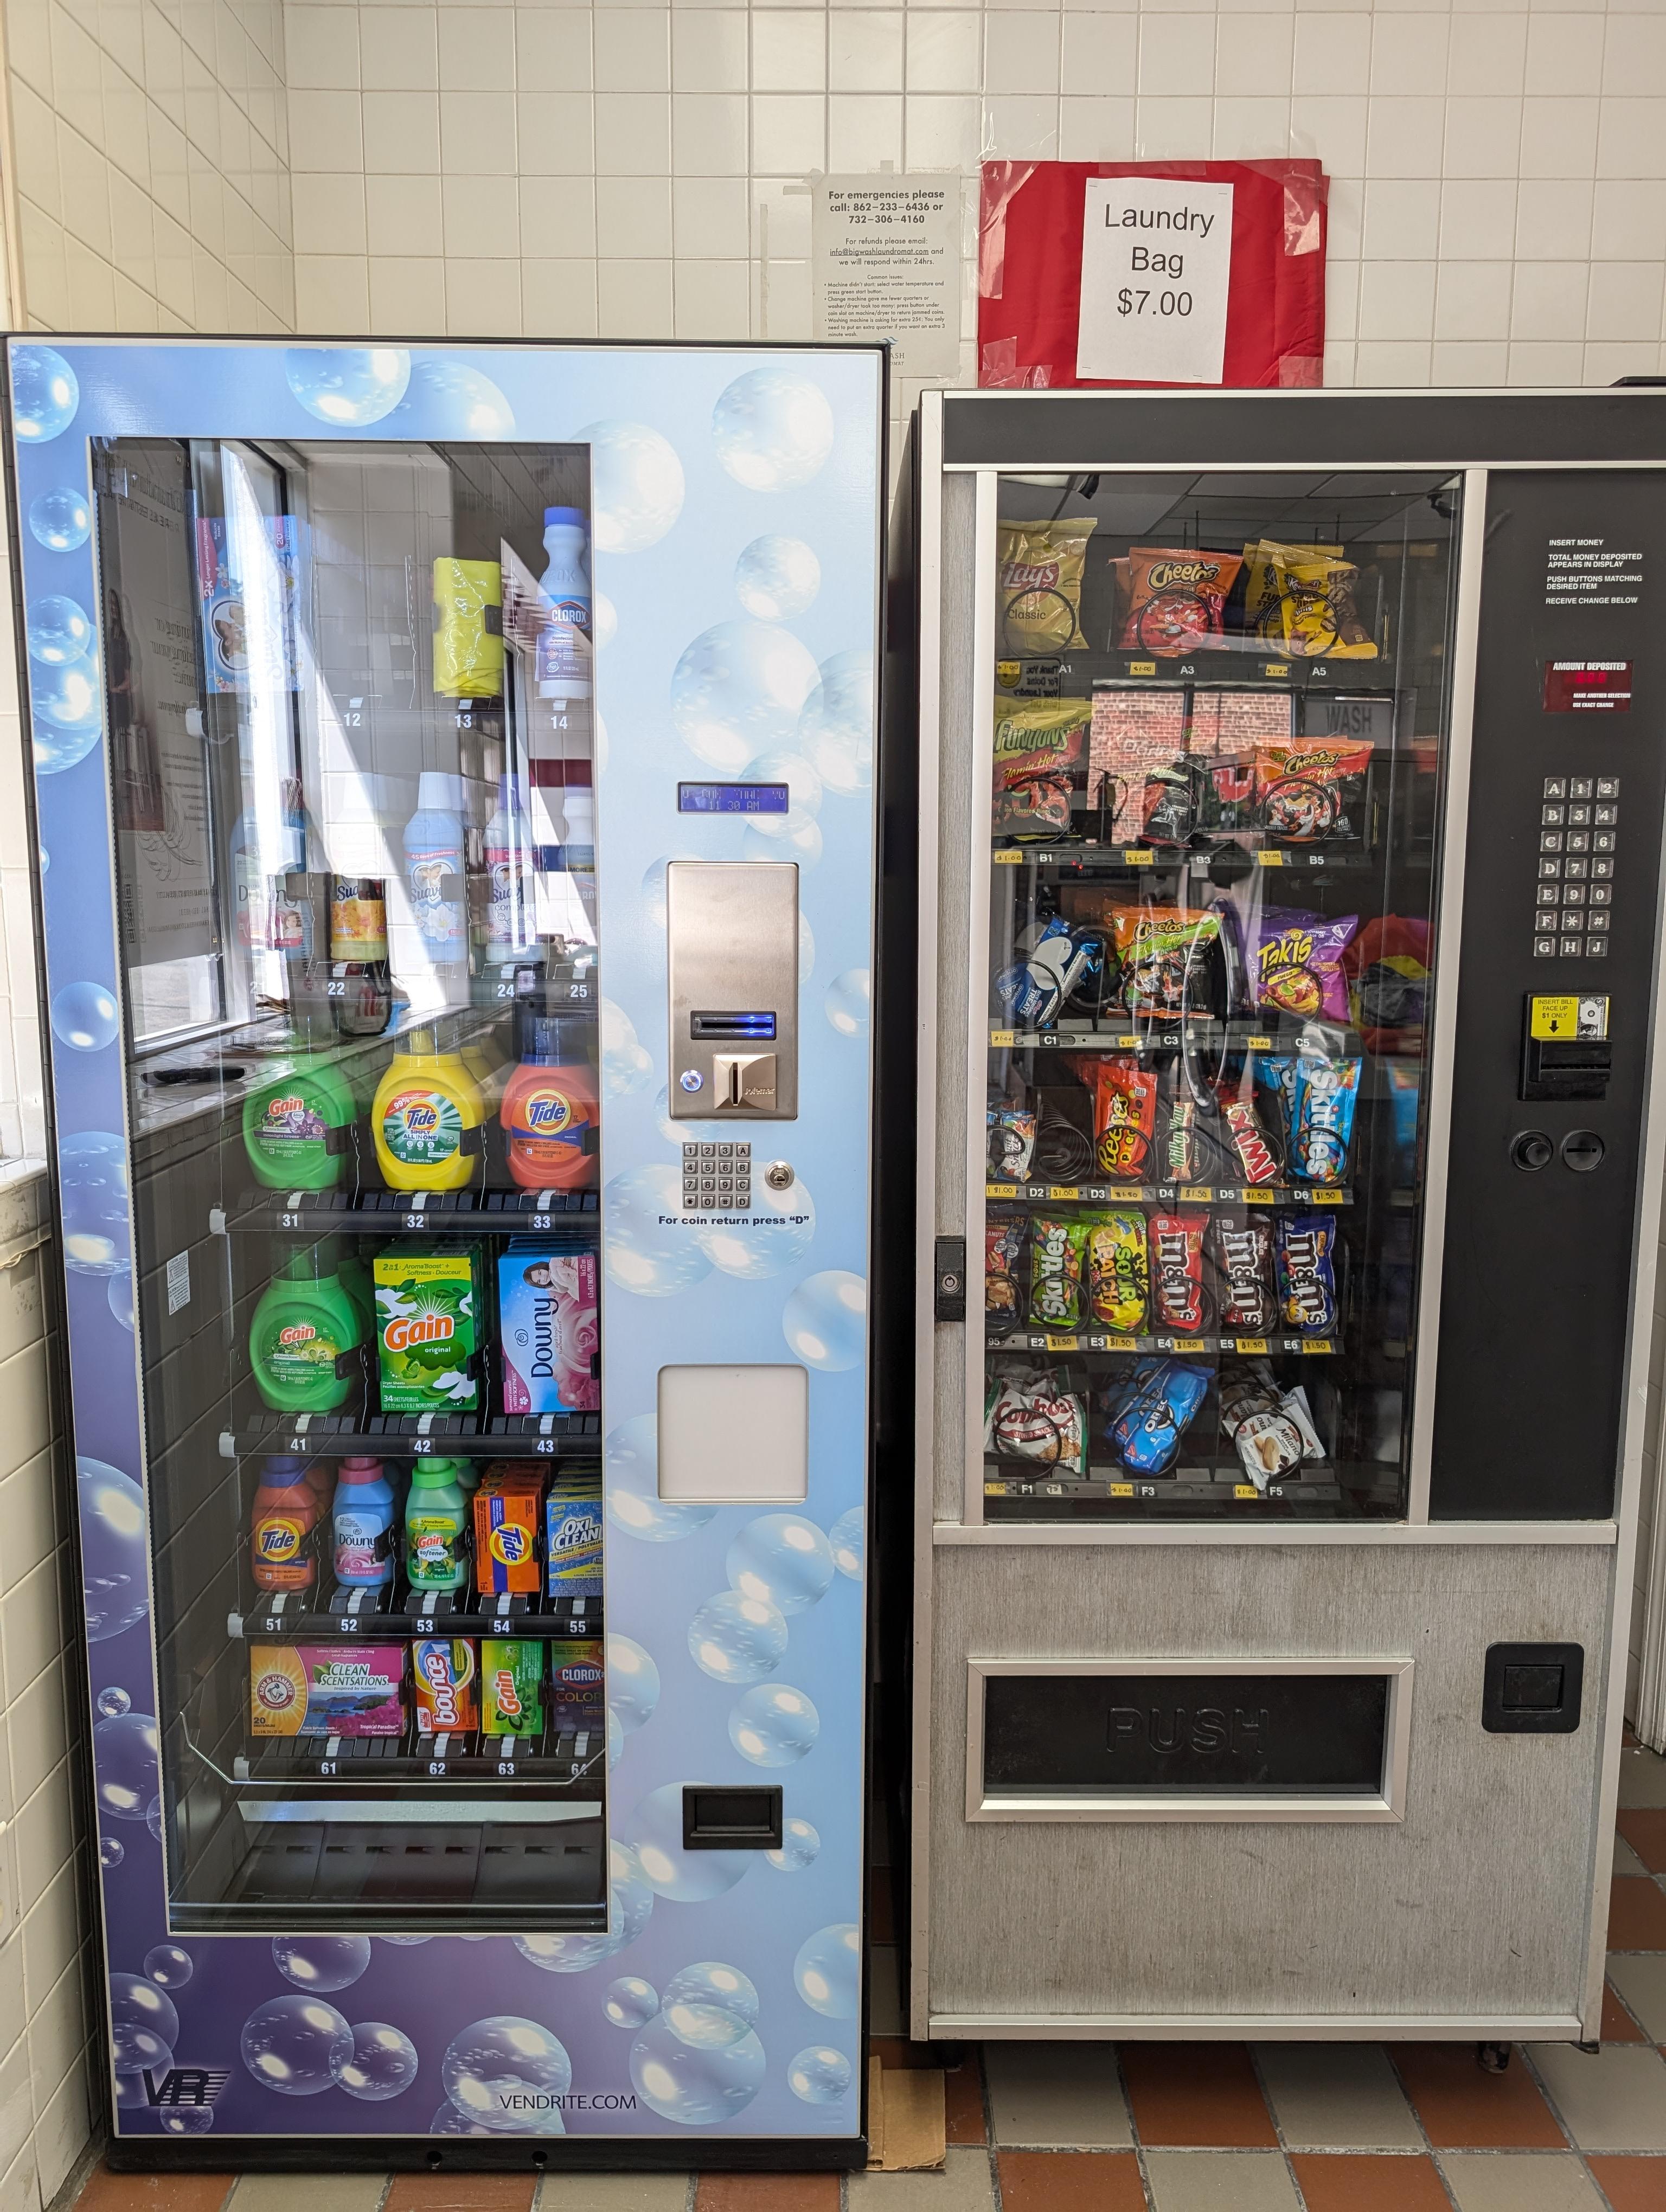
[[304, 1323], [290, 1120]]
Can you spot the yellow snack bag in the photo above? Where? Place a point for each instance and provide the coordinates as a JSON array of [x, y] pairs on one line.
[[1038, 569]]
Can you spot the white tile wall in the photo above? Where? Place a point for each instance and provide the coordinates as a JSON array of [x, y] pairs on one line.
[[149, 184]]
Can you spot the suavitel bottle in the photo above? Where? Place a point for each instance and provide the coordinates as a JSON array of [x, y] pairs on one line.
[[282, 1520], [362, 1521], [425, 1101], [436, 1517], [303, 1327], [550, 1105]]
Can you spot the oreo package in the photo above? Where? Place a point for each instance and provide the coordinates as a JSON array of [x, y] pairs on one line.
[[1148, 1421], [1306, 1248], [1178, 1301], [1240, 1248]]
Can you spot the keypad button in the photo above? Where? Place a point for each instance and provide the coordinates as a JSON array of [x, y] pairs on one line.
[[1602, 869], [1550, 869], [1606, 817], [1608, 787], [708, 1152], [1579, 841], [1573, 895], [1553, 817], [1576, 869], [691, 1152], [1604, 841], [1550, 840], [1572, 948], [1579, 787], [1544, 948], [1597, 949], [1601, 894], [1573, 921], [743, 1152], [1579, 817], [1555, 787], [1545, 918], [1599, 920]]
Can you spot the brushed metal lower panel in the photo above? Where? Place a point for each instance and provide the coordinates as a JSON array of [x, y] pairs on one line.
[[1474, 1908]]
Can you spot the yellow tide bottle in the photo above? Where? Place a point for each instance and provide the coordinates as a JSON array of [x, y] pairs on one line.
[[425, 1104]]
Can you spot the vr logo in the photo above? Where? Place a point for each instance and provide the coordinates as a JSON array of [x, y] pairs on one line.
[[185, 2085]]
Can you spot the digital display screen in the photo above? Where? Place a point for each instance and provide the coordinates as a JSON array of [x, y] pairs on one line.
[[732, 799]]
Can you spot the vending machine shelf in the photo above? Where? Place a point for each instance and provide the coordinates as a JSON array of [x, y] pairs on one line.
[[408, 1212], [1025, 1339], [1173, 1193], [557, 1759], [1111, 1032], [357, 1434], [1091, 858], [1230, 663], [398, 1612]]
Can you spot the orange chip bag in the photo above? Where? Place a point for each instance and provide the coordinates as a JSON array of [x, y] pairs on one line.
[[1176, 599]]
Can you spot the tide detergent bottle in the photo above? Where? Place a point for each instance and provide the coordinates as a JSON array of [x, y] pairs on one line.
[[426, 1100], [303, 1328], [282, 1520], [549, 1105]]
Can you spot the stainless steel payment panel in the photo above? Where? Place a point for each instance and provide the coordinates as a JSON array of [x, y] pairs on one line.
[[733, 941]]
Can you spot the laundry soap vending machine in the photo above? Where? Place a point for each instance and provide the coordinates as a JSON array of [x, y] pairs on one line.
[[1290, 1183], [454, 787]]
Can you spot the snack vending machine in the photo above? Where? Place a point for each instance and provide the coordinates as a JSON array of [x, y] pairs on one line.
[[455, 787], [1289, 1184]]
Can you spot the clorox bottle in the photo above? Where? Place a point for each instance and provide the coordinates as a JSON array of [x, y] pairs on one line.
[[423, 1103]]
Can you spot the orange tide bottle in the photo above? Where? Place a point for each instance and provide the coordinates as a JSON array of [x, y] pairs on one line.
[[282, 1520], [549, 1107]]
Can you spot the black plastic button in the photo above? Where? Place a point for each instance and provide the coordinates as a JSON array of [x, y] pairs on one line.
[[1532, 1151], [1534, 1686], [1582, 1151]]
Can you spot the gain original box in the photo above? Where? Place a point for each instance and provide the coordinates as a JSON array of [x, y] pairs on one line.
[[428, 1330]]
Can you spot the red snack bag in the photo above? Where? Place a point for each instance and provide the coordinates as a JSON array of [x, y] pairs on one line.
[[1176, 599], [1124, 1116], [1177, 1272], [1255, 1154]]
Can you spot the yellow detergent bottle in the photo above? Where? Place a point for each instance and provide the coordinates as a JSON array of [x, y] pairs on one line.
[[425, 1103]]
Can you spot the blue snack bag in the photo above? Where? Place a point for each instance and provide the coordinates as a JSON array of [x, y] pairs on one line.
[[1153, 1415], [1307, 1272], [1322, 1117]]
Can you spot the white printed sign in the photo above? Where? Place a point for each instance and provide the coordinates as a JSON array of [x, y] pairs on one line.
[[1157, 259], [885, 264]]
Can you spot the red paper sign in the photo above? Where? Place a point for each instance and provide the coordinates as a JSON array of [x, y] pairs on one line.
[[1029, 271]]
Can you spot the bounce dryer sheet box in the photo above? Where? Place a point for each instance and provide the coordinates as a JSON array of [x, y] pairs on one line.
[[446, 1676], [507, 1507], [572, 1538], [547, 1333], [326, 1689]]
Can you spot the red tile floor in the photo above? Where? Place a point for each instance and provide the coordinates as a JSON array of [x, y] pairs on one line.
[[1143, 2127]]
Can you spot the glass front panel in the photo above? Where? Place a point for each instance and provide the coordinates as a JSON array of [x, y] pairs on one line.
[[1220, 708], [349, 699]]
